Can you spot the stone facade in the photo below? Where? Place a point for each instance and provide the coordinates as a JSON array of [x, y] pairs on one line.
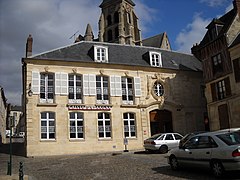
[[91, 97], [183, 99]]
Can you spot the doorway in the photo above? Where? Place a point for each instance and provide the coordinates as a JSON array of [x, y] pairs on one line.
[[160, 121]]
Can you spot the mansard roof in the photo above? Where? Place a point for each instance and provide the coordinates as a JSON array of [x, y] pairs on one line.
[[121, 55]]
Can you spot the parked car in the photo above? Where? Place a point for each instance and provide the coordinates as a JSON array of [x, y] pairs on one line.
[[162, 142], [218, 151]]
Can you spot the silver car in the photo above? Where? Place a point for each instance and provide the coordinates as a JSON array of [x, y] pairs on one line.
[[162, 142], [218, 150]]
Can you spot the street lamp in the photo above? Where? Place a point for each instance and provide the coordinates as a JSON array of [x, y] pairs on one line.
[[11, 124]]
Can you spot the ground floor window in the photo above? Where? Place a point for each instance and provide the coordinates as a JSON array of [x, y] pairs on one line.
[[47, 125], [104, 125], [129, 125], [76, 125]]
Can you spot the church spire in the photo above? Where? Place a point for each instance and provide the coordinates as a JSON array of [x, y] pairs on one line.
[[118, 23], [89, 33]]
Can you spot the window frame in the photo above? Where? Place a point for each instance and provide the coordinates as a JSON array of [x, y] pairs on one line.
[[102, 89], [75, 87], [47, 126], [104, 126], [46, 86], [155, 59], [128, 90], [217, 63], [101, 54], [128, 126], [76, 126]]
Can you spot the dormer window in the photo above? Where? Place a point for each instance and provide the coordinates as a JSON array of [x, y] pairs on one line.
[[155, 59], [100, 54]]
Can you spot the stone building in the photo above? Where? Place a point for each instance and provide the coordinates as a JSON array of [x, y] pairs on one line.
[[219, 53], [90, 96]]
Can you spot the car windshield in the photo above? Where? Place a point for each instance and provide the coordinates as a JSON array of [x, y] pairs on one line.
[[231, 138], [155, 136]]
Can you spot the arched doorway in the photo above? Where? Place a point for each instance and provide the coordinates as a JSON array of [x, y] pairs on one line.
[[160, 121]]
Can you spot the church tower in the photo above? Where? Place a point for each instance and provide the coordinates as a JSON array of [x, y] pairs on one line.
[[118, 23]]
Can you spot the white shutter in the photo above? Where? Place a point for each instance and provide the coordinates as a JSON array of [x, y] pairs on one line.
[[35, 82], [137, 84], [92, 84], [118, 85], [85, 84], [112, 86], [64, 83], [58, 83]]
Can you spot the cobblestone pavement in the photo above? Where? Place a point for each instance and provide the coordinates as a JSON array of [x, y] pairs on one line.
[[123, 165]]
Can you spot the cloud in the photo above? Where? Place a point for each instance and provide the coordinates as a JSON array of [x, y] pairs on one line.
[[146, 15], [193, 33], [214, 3], [51, 23]]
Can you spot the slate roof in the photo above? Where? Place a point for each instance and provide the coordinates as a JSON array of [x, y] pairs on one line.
[[121, 54], [154, 41]]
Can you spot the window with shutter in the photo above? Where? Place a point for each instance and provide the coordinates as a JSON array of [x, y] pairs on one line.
[[127, 90], [58, 83], [35, 82], [102, 90], [74, 88], [92, 84], [137, 83], [115, 86], [85, 84], [236, 67], [46, 87], [64, 83], [213, 90]]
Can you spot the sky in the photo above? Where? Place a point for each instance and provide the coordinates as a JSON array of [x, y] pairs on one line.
[[53, 23]]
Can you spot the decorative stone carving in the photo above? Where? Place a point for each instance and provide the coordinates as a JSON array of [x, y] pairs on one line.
[[46, 69], [74, 70]]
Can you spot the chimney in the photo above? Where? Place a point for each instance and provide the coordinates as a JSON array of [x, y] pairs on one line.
[[236, 5], [29, 46]]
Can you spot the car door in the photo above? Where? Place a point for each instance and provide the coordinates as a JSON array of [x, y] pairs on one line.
[[170, 141], [202, 152], [185, 153], [198, 150]]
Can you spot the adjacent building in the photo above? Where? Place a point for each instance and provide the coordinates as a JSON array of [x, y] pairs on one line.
[[219, 53], [3, 115], [95, 94]]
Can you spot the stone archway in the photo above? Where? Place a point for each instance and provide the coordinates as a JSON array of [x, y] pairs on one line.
[[160, 121]]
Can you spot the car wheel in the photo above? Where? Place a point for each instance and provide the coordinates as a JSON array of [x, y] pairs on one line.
[[163, 149], [173, 163], [217, 168]]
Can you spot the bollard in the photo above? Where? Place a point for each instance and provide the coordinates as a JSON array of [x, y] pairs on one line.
[[20, 171]]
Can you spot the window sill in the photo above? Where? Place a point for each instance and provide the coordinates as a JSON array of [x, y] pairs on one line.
[[110, 139], [48, 140], [47, 104], [76, 140]]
